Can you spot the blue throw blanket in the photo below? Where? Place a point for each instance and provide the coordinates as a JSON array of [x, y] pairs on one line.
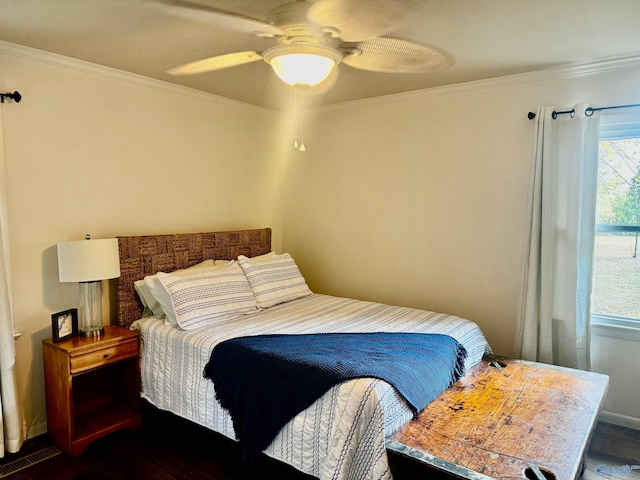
[[265, 381]]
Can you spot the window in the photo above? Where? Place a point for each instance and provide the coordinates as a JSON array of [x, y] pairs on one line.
[[616, 283]]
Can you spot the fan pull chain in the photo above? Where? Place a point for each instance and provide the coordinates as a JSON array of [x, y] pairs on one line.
[[300, 147], [295, 119]]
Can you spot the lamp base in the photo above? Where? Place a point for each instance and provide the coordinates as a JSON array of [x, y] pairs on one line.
[[92, 333], [90, 321]]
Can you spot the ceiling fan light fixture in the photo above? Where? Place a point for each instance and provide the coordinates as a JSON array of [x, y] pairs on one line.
[[302, 65]]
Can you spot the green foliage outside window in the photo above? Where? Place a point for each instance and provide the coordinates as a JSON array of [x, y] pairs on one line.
[[619, 182], [627, 209]]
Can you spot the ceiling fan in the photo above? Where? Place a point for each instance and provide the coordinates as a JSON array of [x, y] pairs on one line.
[[312, 37]]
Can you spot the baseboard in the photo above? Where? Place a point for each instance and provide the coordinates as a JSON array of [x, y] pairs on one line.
[[619, 420]]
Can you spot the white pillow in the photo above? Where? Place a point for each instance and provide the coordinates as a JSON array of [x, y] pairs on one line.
[[274, 280], [151, 291], [150, 304], [260, 258], [202, 297]]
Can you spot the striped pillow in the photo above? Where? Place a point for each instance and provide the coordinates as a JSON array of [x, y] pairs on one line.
[[274, 280], [202, 297], [154, 297]]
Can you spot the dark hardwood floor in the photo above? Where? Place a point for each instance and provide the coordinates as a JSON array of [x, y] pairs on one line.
[[613, 446], [167, 448]]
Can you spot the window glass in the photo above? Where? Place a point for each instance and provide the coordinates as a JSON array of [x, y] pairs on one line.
[[616, 287]]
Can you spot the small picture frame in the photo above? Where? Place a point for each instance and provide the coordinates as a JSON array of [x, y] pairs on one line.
[[64, 325]]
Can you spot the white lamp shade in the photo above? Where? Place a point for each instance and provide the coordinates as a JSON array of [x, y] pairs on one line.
[[88, 260]]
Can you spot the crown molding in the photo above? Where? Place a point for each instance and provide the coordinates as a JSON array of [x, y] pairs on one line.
[[575, 70], [88, 68]]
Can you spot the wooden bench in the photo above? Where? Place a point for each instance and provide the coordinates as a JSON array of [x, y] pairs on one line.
[[508, 419]]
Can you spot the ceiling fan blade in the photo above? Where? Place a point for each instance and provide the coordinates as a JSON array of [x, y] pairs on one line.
[[216, 63], [222, 18], [396, 55], [358, 20]]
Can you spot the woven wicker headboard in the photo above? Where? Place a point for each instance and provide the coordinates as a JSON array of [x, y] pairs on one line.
[[146, 255]]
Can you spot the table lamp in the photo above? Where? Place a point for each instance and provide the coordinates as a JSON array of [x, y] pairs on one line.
[[89, 262]]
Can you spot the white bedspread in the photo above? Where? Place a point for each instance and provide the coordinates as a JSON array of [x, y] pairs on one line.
[[341, 436]]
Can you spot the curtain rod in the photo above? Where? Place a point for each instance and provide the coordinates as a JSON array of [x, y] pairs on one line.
[[588, 111], [15, 96]]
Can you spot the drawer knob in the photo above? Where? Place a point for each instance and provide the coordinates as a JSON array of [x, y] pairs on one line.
[[106, 355]]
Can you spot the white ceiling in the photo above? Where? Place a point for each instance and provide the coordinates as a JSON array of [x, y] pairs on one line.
[[487, 38]]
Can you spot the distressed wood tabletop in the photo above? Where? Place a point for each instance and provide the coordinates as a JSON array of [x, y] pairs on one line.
[[508, 419]]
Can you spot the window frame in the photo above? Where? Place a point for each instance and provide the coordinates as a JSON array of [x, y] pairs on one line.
[[617, 126]]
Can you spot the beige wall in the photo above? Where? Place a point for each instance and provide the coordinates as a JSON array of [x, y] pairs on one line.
[[619, 358], [418, 199], [89, 150], [417, 203]]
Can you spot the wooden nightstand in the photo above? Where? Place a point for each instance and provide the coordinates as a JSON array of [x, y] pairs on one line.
[[92, 387]]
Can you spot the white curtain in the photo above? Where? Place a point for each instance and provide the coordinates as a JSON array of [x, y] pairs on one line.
[[554, 320], [12, 423]]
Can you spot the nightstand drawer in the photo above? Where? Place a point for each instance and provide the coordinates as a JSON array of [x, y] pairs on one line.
[[104, 356]]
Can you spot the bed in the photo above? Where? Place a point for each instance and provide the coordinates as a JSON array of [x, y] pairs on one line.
[[342, 434]]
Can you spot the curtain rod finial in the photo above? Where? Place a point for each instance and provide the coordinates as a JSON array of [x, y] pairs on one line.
[[15, 96], [531, 115]]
